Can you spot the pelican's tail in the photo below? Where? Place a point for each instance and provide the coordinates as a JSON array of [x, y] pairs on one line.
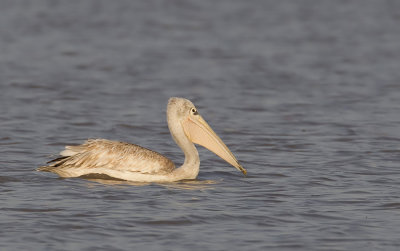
[[53, 164]]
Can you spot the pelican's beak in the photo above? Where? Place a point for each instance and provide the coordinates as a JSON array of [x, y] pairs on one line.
[[199, 132]]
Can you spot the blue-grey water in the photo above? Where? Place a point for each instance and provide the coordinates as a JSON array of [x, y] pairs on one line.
[[305, 93]]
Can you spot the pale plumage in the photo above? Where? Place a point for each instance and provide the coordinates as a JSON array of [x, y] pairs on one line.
[[96, 154], [135, 163]]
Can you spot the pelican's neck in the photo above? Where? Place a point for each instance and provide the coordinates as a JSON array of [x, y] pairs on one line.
[[191, 166], [191, 155]]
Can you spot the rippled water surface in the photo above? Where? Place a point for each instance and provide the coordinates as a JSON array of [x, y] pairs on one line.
[[305, 93]]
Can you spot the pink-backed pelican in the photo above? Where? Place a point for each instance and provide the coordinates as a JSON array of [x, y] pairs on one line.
[[134, 163]]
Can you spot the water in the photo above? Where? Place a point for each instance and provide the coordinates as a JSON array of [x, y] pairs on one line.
[[305, 93]]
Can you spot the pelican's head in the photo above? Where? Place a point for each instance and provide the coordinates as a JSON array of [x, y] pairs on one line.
[[184, 117]]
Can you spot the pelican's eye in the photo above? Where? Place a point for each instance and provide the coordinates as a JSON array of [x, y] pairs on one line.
[[193, 111]]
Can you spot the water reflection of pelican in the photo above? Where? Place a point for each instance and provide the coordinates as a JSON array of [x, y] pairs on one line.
[[134, 163]]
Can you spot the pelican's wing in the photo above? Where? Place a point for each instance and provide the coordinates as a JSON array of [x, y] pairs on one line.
[[101, 153]]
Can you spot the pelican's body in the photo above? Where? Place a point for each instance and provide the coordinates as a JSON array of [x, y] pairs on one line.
[[135, 163]]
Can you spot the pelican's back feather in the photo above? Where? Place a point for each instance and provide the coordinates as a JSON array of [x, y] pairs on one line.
[[96, 154]]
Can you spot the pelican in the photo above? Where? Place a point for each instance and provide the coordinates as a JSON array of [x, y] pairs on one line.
[[135, 163]]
